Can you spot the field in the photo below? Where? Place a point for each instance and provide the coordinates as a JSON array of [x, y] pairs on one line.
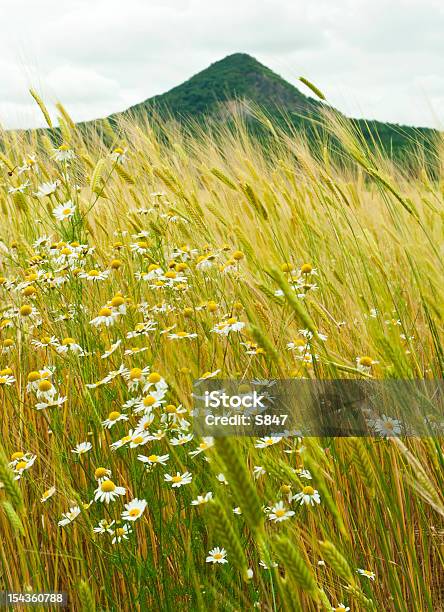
[[135, 260]]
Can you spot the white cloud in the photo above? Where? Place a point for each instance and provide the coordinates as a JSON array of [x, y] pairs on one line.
[[376, 59]]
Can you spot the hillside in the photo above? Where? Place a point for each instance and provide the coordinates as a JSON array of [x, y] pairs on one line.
[[240, 76]]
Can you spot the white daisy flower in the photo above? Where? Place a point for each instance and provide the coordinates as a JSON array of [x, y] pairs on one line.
[[64, 211], [217, 555], [133, 510], [107, 491], [48, 494], [69, 517], [280, 513], [202, 499], [307, 496], [46, 189], [179, 479], [82, 448]]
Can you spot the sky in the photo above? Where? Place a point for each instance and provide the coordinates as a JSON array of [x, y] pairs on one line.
[[379, 59]]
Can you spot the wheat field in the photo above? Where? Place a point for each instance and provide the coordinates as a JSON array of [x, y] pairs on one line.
[[135, 260]]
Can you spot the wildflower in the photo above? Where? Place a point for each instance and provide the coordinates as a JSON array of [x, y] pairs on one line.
[[280, 513], [202, 499], [181, 440], [258, 471], [179, 479], [105, 317], [113, 418], [47, 189], [307, 496], [63, 154], [341, 608], [64, 211], [48, 494], [69, 517], [225, 327], [154, 459], [82, 448], [95, 275], [24, 463], [70, 345], [107, 491], [101, 473], [217, 555], [386, 426], [139, 438], [365, 363], [121, 533], [265, 442], [133, 510], [104, 526], [367, 573], [206, 443], [181, 335]]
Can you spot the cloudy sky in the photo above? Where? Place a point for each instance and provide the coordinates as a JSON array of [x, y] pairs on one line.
[[373, 58]]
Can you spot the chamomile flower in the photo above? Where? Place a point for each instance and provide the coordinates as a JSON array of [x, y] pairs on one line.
[[153, 459], [113, 418], [121, 533], [341, 608], [308, 496], [107, 491], [280, 513], [202, 499], [386, 426], [104, 526], [63, 154], [70, 516], [47, 189], [367, 573], [179, 479], [106, 317], [48, 494], [217, 555], [206, 443], [365, 363], [111, 349], [65, 211], [133, 510], [267, 441], [82, 448], [94, 275]]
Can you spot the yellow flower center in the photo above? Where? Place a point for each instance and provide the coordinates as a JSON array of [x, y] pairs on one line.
[[134, 512], [107, 486], [113, 416], [21, 465], [105, 312], [149, 400], [33, 376], [177, 478], [308, 490], [152, 458], [120, 531], [17, 455], [25, 310], [118, 300], [93, 273], [306, 268], [45, 385], [100, 472], [280, 512], [154, 377], [68, 341], [138, 439], [366, 361], [218, 556], [135, 373]]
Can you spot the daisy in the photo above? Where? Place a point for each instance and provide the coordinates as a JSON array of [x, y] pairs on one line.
[[225, 327], [217, 555], [48, 494], [265, 442], [365, 363], [25, 463], [179, 479], [258, 471], [53, 402], [64, 211], [95, 275], [46, 189], [107, 491], [341, 608], [202, 499], [105, 317], [111, 349], [154, 459], [139, 438], [70, 345], [119, 155], [82, 448], [104, 526], [181, 439], [367, 573], [69, 517], [113, 418], [307, 496], [121, 533], [206, 443], [181, 335], [386, 426], [280, 513], [133, 510], [63, 153]]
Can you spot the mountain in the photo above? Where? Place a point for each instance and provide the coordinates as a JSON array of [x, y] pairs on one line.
[[238, 76], [241, 77]]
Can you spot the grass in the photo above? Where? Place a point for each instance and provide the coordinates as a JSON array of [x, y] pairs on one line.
[[358, 237]]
